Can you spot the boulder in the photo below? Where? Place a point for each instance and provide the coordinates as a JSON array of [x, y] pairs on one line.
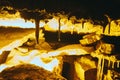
[[28, 72], [90, 39]]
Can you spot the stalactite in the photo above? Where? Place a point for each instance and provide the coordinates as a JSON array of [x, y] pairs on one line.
[[59, 32], [83, 21], [37, 21]]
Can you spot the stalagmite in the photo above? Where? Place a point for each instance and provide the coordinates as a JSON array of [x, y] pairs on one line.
[[72, 30], [99, 68], [118, 63], [109, 63], [113, 62], [101, 73]]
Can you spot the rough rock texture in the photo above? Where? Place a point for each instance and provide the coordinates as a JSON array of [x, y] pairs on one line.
[[90, 39], [28, 72]]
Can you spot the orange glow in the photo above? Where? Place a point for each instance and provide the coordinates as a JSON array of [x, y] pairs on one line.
[[33, 57], [18, 43], [43, 58], [114, 30], [53, 62], [20, 55], [6, 15], [15, 20], [66, 25], [52, 25]]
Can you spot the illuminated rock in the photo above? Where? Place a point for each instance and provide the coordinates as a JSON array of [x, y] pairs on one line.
[[83, 64], [104, 48], [90, 39], [23, 49]]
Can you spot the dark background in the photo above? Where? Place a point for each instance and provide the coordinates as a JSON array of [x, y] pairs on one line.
[[82, 8]]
